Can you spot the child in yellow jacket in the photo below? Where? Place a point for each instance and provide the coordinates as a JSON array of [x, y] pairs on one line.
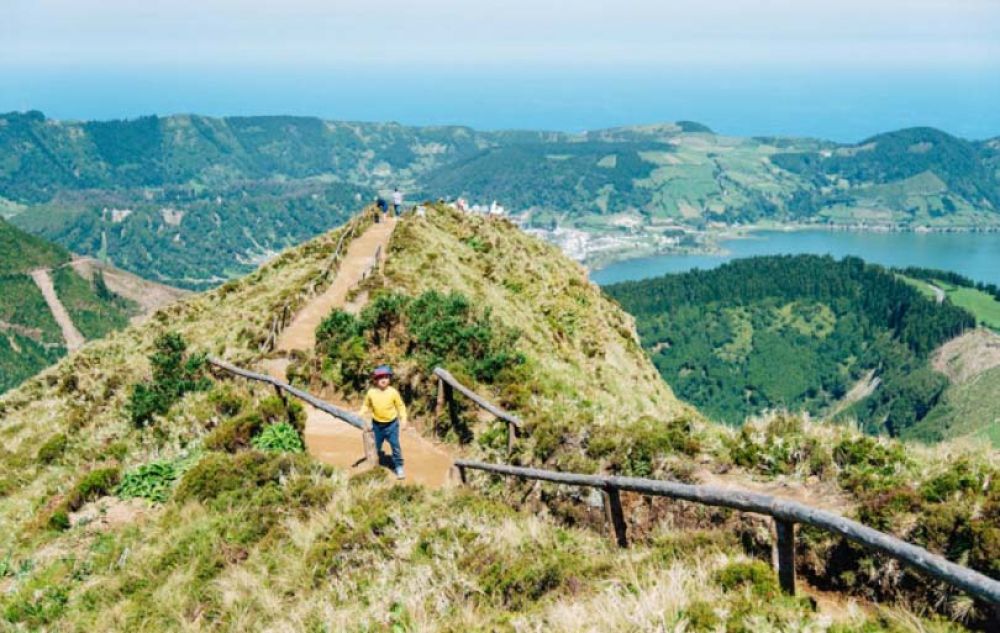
[[388, 413]]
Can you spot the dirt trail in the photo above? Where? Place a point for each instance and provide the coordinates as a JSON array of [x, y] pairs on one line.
[[74, 340], [328, 439]]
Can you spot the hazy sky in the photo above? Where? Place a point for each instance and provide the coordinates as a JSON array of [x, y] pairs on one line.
[[840, 69], [121, 33]]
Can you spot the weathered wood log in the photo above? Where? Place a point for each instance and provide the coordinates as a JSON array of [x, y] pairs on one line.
[[346, 416], [971, 581], [444, 375], [511, 436], [615, 516], [439, 406], [784, 545], [368, 443]]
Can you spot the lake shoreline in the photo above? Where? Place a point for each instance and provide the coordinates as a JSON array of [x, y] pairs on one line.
[[713, 237], [973, 253]]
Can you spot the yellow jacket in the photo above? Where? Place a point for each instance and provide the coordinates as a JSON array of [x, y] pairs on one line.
[[385, 405]]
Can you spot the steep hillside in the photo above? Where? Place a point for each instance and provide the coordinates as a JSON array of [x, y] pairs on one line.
[[970, 406], [32, 336], [915, 175], [192, 201], [796, 332], [234, 536]]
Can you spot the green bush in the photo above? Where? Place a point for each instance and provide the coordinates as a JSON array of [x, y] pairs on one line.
[[59, 521], [52, 449], [867, 465], [755, 575], [235, 433], [153, 481], [280, 437], [174, 374], [97, 483], [634, 449], [779, 448]]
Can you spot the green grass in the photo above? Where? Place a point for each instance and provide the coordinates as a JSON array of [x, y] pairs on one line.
[[970, 410], [984, 307]]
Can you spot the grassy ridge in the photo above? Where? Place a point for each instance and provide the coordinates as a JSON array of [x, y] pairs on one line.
[[249, 540]]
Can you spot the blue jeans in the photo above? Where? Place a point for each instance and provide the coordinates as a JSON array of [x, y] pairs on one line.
[[388, 431]]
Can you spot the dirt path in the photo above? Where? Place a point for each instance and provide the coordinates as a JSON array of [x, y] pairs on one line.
[[70, 334], [331, 440]]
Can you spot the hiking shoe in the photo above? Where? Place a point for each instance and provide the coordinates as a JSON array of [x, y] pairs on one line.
[[399, 473]]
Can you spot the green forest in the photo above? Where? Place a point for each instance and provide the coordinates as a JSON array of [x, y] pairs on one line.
[[796, 332], [193, 201]]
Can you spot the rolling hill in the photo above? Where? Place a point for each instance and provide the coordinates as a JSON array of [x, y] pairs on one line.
[[183, 520], [800, 333], [192, 201]]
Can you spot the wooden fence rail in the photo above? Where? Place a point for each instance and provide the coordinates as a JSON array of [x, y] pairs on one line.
[[447, 383], [368, 438], [786, 514], [284, 316]]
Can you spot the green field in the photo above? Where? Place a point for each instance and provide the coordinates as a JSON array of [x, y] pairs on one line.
[[984, 307]]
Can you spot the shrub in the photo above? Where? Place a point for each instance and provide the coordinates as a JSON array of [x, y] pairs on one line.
[[280, 437], [755, 575], [174, 374], [867, 465], [59, 521], [153, 481], [52, 449], [780, 447], [97, 483], [235, 433], [634, 449]]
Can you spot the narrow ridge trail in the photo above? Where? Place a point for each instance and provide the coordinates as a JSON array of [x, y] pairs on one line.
[[330, 440], [74, 340]]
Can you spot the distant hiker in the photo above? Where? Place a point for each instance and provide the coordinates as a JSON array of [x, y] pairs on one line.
[[382, 208], [397, 201], [388, 414]]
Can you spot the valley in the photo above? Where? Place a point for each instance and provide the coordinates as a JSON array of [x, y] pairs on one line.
[[192, 201]]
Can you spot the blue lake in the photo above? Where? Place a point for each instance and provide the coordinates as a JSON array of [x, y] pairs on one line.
[[975, 255]]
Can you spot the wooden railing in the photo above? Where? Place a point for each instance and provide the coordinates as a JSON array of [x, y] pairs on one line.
[[368, 438], [786, 514], [284, 315], [445, 396]]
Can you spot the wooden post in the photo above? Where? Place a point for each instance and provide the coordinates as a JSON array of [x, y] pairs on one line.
[[368, 441], [284, 404], [511, 434], [449, 397], [461, 474], [615, 516], [785, 546], [439, 409]]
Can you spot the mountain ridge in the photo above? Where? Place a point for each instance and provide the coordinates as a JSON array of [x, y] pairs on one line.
[[154, 195]]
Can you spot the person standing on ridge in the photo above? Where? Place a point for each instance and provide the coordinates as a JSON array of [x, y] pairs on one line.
[[388, 414], [397, 201]]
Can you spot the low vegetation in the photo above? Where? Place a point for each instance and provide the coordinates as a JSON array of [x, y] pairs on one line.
[[232, 534]]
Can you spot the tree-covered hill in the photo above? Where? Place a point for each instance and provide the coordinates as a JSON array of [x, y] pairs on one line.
[[192, 200], [797, 332]]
